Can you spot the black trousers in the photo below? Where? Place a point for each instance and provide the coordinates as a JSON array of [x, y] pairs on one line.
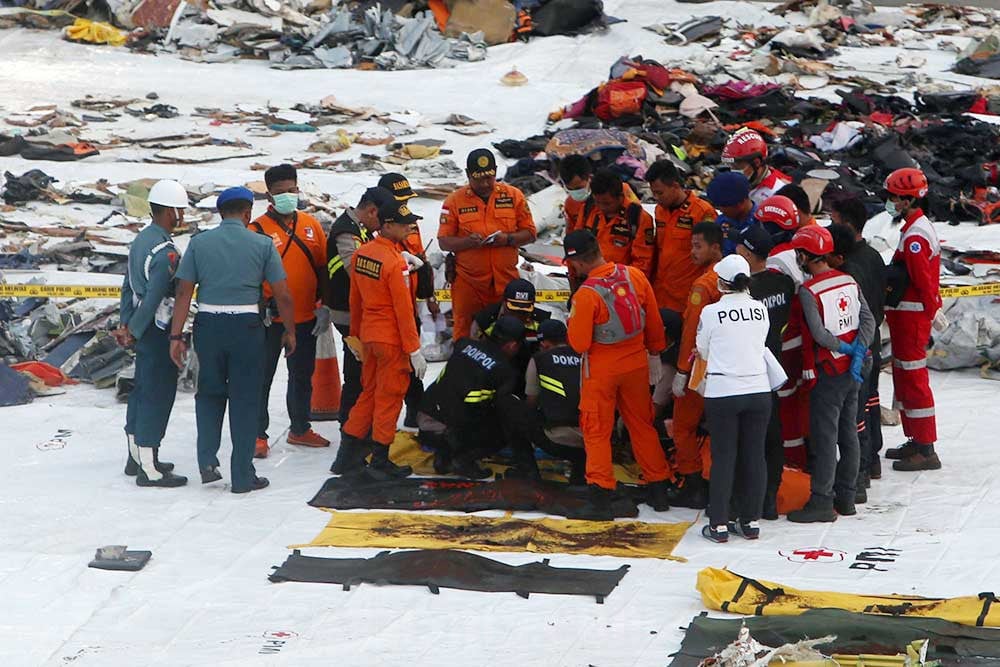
[[774, 449], [302, 363], [352, 376], [870, 413], [738, 426]]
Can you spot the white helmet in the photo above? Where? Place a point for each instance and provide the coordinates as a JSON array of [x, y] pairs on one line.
[[168, 193]]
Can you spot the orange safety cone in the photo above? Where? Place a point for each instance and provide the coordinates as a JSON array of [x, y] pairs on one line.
[[326, 380]]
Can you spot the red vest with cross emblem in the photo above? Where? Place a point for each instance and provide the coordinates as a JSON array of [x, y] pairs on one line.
[[839, 303]]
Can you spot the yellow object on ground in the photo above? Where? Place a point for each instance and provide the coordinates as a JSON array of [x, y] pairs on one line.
[[405, 451], [727, 591], [408, 530], [94, 32]]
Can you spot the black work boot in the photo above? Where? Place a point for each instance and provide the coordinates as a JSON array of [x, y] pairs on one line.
[[924, 458], [845, 506], [906, 450], [692, 492], [162, 466], [210, 474], [875, 471], [469, 468], [657, 496], [600, 500], [817, 510], [148, 475], [861, 489], [381, 468], [578, 474], [351, 455], [770, 511]]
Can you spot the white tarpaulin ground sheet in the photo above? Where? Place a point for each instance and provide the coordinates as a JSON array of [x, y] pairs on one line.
[[204, 598]]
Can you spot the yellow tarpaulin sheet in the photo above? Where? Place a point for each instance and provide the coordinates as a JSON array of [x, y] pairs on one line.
[[405, 451], [726, 591], [632, 539]]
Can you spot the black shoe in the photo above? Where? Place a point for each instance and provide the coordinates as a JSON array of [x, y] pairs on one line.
[[470, 469], [875, 471], [692, 492], [717, 534], [410, 421], [599, 506], [351, 455], [257, 484], [210, 474], [578, 474], [132, 466], [861, 494], [904, 451], [167, 480], [918, 462], [381, 468], [657, 496], [442, 460], [845, 506], [748, 530], [817, 510], [770, 511]]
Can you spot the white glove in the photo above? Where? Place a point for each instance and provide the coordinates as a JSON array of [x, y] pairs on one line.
[[680, 384], [324, 317], [419, 364], [655, 369], [412, 261], [940, 321]]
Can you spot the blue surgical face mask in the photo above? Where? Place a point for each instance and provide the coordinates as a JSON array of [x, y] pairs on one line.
[[286, 203], [580, 194]]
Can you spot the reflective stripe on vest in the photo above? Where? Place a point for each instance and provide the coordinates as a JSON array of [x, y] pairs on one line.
[[480, 395], [923, 228], [552, 384]]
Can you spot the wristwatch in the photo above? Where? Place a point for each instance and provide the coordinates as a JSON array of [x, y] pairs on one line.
[[176, 336]]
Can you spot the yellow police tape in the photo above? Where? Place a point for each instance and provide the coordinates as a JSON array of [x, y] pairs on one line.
[[542, 296]]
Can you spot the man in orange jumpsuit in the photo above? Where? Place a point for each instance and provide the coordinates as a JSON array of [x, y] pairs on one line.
[[672, 271], [484, 224], [301, 244], [382, 317], [615, 219], [615, 325], [421, 280], [706, 251], [575, 172]]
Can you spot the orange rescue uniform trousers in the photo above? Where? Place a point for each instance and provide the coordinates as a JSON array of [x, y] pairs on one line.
[[466, 301], [385, 377], [629, 393]]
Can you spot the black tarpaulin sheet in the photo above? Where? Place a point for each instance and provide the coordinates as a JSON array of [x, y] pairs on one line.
[[450, 569], [361, 492], [951, 643]]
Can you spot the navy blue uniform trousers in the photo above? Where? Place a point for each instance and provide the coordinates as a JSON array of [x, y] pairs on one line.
[[230, 368]]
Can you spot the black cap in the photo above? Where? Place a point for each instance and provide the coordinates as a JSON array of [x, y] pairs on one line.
[[552, 330], [378, 196], [755, 238], [579, 242], [398, 185], [481, 162], [519, 295], [396, 212], [507, 328]]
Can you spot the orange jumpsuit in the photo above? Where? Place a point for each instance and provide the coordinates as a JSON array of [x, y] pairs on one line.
[[571, 213], [672, 272], [616, 376], [382, 317], [482, 273], [689, 407]]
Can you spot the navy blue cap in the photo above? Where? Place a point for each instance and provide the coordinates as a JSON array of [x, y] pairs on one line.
[[728, 188], [552, 330], [378, 196], [519, 295], [234, 194], [757, 239], [579, 242], [507, 328]]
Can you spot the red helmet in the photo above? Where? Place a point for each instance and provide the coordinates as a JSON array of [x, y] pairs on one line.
[[814, 240], [746, 144], [778, 210], [907, 182]]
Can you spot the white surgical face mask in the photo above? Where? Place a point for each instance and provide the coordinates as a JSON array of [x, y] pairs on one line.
[[580, 194], [890, 208]]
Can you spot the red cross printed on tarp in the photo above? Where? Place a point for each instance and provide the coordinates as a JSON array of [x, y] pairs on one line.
[[813, 555]]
